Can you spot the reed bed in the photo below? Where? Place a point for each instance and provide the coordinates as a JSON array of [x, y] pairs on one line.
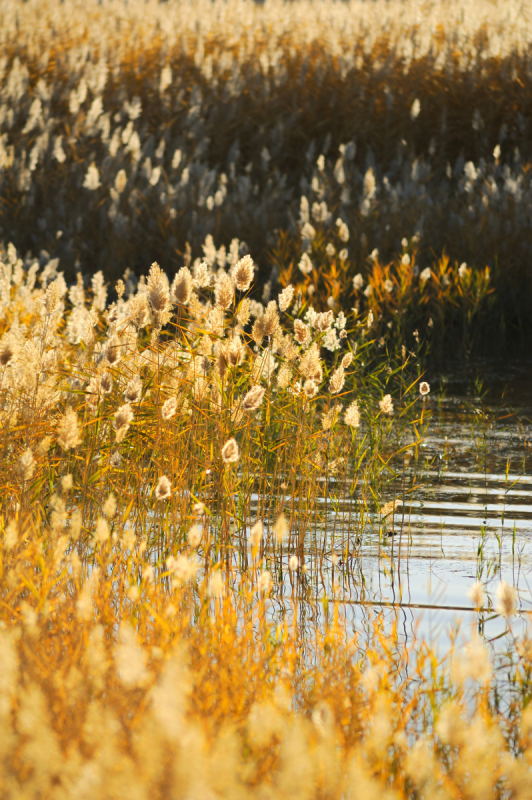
[[188, 451], [134, 132], [165, 457]]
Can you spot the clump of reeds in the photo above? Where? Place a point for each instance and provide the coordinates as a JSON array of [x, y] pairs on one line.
[[146, 130], [169, 460], [118, 680], [188, 392]]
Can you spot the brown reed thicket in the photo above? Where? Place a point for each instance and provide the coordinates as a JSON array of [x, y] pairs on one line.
[[115, 682], [164, 459], [127, 132]]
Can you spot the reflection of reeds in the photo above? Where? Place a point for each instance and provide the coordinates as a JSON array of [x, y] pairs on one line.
[[147, 131]]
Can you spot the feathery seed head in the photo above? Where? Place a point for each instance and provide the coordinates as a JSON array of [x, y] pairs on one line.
[[253, 399], [26, 465], [182, 286], [337, 380], [242, 273], [310, 364], [158, 294], [123, 419], [386, 405], [163, 490], [133, 390], [286, 297], [358, 282], [255, 534], [230, 452], [243, 313], [224, 290], [324, 320], [280, 529], [477, 595], [310, 388], [305, 265], [271, 319], [169, 408], [352, 415], [264, 581], [68, 433], [301, 332], [194, 536], [506, 604], [106, 383]]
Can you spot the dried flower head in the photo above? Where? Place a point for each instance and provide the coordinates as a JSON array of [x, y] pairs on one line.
[[477, 595], [253, 399], [224, 291], [337, 381], [182, 286], [506, 604], [324, 320], [66, 482], [280, 529], [133, 390], [310, 365], [68, 433], [169, 408], [102, 532], [352, 415], [286, 297], [109, 507], [163, 490], [347, 360], [52, 297], [26, 465], [242, 273], [123, 419], [358, 282], [230, 452], [270, 319], [106, 383], [255, 534], [264, 581], [158, 294], [310, 388], [243, 313], [216, 584], [305, 265], [194, 536], [139, 311], [386, 405], [293, 563], [424, 388], [113, 350], [301, 332]]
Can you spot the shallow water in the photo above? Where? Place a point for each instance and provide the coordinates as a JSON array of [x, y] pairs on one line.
[[465, 515]]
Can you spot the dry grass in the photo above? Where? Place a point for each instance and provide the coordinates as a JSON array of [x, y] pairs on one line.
[[156, 563], [174, 453], [128, 132]]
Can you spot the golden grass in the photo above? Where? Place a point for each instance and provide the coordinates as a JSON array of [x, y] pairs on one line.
[[159, 630], [211, 120]]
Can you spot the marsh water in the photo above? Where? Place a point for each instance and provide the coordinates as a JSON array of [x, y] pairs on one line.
[[464, 514]]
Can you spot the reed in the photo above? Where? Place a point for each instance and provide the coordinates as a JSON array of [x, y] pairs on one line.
[[140, 132]]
